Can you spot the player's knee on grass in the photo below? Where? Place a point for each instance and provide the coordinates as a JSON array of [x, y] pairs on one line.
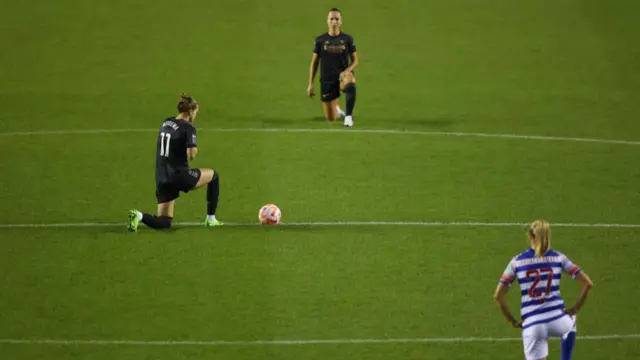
[[331, 117], [330, 112], [158, 222], [164, 222]]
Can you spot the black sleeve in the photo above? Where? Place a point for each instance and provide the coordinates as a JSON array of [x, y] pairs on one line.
[[191, 137], [317, 46], [351, 46]]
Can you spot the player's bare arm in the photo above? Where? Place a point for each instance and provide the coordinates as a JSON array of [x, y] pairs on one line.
[[587, 284], [192, 152], [347, 75], [499, 297], [313, 69]]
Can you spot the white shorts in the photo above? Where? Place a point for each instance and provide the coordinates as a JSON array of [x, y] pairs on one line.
[[536, 337]]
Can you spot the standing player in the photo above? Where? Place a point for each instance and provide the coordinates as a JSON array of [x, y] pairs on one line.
[[177, 143], [337, 55], [543, 312]]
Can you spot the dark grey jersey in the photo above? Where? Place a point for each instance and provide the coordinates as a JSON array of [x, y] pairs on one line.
[[174, 138], [334, 53]]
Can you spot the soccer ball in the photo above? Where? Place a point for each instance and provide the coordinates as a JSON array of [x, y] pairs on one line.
[[269, 214]]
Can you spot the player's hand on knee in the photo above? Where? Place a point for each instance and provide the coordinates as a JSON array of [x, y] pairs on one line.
[[310, 90], [345, 75]]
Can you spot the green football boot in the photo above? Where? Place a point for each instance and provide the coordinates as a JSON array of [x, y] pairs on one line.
[[212, 223], [132, 225]]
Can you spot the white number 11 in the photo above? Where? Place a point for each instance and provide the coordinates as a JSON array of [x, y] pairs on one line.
[[164, 150]]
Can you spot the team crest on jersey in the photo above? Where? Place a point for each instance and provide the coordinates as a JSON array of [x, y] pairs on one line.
[[334, 49]]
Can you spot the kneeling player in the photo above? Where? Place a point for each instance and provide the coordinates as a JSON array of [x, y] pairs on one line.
[[336, 53], [177, 142]]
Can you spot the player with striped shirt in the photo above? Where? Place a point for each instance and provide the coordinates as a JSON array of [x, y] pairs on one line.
[[538, 271]]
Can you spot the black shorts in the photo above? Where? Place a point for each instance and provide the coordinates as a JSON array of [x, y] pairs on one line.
[[182, 180], [329, 90]]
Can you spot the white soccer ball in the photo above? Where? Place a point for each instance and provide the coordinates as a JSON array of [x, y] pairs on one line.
[[269, 214]]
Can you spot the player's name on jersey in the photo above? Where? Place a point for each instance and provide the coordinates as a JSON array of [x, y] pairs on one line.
[[544, 259], [171, 124]]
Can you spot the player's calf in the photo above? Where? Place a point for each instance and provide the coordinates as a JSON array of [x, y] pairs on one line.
[[349, 89], [213, 193], [153, 221], [157, 222], [211, 179]]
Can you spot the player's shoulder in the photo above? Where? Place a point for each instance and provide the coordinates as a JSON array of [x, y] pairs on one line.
[[184, 123], [555, 253], [170, 122], [179, 125], [344, 35], [322, 37]]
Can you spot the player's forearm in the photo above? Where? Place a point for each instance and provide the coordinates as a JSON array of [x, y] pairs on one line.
[[582, 298], [313, 69], [507, 314], [353, 65], [587, 284], [191, 153]]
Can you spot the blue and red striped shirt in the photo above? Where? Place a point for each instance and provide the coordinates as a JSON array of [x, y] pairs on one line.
[[539, 279]]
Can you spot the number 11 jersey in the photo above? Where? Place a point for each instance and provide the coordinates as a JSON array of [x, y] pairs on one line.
[[174, 138]]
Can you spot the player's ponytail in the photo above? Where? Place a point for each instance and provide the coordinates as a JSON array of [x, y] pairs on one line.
[[187, 104], [540, 233]]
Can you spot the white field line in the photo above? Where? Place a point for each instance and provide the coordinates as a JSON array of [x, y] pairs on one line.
[[334, 224], [296, 342], [343, 131]]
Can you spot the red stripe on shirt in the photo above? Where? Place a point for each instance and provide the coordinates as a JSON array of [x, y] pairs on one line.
[[507, 279], [574, 270]]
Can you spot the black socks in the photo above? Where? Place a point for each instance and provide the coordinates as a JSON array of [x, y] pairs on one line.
[[213, 192], [350, 94], [156, 222], [164, 222]]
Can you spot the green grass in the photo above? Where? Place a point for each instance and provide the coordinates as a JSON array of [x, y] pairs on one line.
[[540, 68]]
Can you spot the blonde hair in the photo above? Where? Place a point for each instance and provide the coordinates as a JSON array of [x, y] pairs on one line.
[[540, 233]]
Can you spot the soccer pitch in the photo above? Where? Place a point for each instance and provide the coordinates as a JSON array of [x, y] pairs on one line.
[[471, 120]]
